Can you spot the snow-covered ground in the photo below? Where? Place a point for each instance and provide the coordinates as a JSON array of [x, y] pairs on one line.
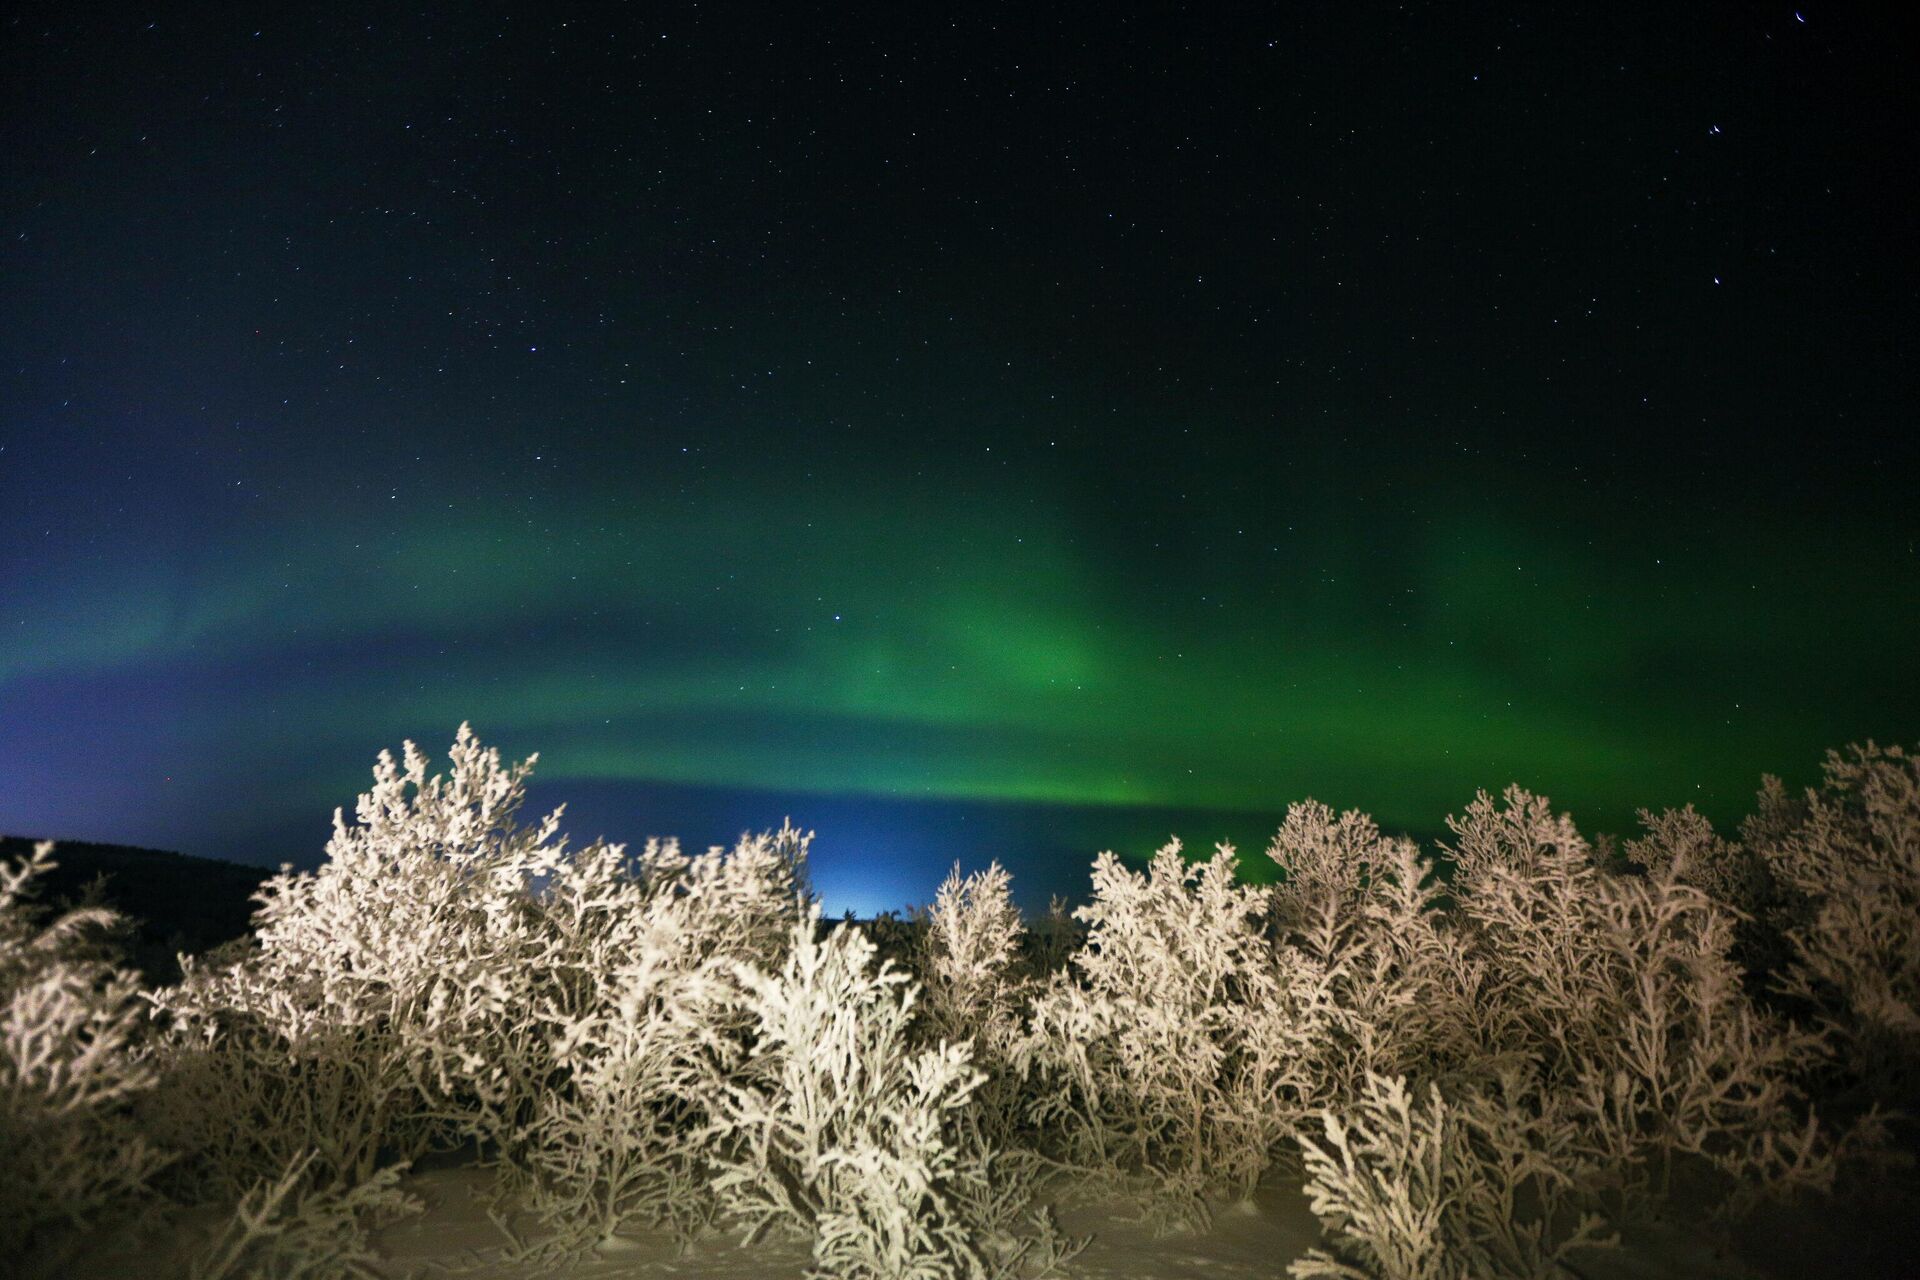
[[1251, 1241], [1834, 1240]]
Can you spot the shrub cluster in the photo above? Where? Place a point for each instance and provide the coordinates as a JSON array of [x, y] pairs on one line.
[[70, 1070], [1479, 1061]]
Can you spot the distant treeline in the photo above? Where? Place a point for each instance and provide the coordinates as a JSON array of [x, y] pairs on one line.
[[173, 903]]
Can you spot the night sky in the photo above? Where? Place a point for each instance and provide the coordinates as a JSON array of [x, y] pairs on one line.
[[1009, 434]]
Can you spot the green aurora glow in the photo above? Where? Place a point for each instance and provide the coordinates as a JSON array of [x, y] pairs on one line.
[[1003, 436], [901, 642]]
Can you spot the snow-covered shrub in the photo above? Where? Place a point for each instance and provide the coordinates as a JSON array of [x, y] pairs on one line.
[[617, 1145], [653, 1029], [1524, 886], [1573, 1033], [1433, 1189], [449, 975], [1586, 1030], [1168, 1056], [839, 1128], [741, 902], [240, 1098], [1465, 1071], [1846, 864], [1325, 859], [971, 992], [379, 1010], [1622, 995], [972, 942], [1684, 842], [1381, 983], [1678, 1059], [71, 1066], [285, 1229], [1731, 872], [1514, 837]]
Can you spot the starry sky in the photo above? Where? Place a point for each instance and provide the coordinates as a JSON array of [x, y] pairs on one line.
[[1007, 433]]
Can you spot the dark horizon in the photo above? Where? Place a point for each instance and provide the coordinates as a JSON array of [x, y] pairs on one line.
[[870, 854], [1027, 422]]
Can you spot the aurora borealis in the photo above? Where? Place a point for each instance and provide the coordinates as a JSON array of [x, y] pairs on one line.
[[986, 439]]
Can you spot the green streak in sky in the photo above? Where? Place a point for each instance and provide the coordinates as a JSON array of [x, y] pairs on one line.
[[898, 641]]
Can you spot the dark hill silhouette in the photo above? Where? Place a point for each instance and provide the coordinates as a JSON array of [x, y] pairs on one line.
[[173, 902]]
